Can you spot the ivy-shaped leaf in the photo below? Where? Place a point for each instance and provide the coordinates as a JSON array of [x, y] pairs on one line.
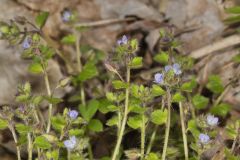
[[95, 125]]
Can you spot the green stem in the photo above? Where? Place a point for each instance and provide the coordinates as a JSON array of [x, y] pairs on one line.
[[222, 95], [183, 131], [50, 105], [167, 131], [119, 123], [235, 140], [16, 141], [77, 45], [69, 154], [90, 153], [82, 95], [124, 121], [143, 137], [152, 139], [191, 107], [30, 147]]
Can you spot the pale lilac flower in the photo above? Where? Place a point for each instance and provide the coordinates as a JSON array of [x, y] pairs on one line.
[[211, 120], [66, 16], [167, 68], [73, 114], [204, 138], [71, 143], [26, 43], [122, 41], [176, 69], [159, 78]]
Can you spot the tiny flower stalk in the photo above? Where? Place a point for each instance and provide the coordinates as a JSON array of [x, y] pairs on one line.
[[12, 129], [124, 121], [183, 131], [167, 131], [30, 146], [50, 107], [143, 136]]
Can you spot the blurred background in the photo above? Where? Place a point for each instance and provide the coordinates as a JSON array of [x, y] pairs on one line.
[[195, 23]]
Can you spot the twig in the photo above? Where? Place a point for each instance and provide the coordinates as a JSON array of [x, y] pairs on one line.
[[221, 44], [104, 22]]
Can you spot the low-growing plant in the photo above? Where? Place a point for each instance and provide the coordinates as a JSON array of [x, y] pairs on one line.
[[155, 110]]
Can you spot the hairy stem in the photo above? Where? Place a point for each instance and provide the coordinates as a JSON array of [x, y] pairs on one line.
[[90, 153], [50, 105], [69, 155], [143, 137], [152, 139], [16, 141], [30, 147], [183, 131], [235, 140], [124, 121], [167, 131]]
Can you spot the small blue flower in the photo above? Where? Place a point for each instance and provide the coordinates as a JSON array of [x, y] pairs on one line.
[[71, 143], [176, 69], [26, 43], [159, 78], [204, 138], [167, 68], [66, 16], [73, 114], [122, 41], [211, 120]]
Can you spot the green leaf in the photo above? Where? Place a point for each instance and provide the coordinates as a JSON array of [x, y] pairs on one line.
[[157, 90], [89, 111], [50, 138], [111, 97], [117, 84], [3, 124], [35, 68], [95, 125], [103, 104], [200, 102], [53, 155], [234, 10], [36, 100], [232, 19], [232, 129], [76, 132], [159, 117], [178, 97], [22, 98], [137, 109], [192, 127], [53, 100], [161, 58], [41, 19], [134, 44], [215, 84], [69, 39], [221, 109], [152, 156], [23, 129], [112, 121], [189, 86], [135, 122], [136, 62], [89, 71], [58, 122], [46, 51], [42, 142]]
